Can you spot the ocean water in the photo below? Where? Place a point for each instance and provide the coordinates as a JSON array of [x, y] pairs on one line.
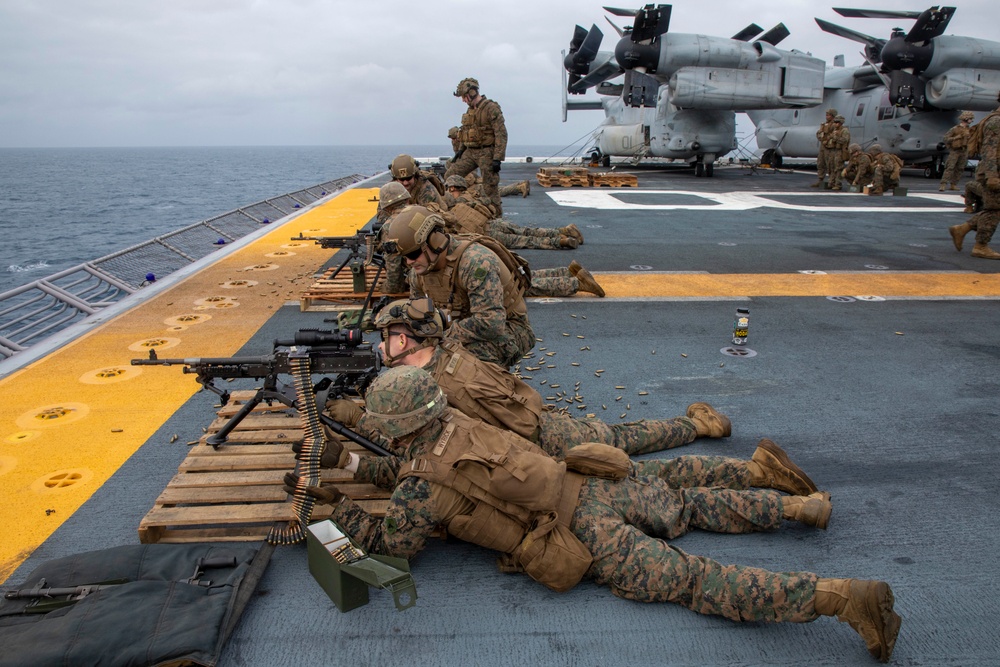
[[60, 207]]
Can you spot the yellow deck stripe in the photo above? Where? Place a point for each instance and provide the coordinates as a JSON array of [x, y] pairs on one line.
[[65, 431], [880, 283]]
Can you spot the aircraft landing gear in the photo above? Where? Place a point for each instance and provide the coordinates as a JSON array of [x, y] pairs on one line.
[[935, 169], [598, 158], [772, 158], [699, 169], [705, 166]]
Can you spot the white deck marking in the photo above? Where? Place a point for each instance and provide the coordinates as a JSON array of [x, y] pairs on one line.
[[736, 201]]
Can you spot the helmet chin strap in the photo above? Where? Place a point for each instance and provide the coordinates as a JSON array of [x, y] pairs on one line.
[[390, 360]]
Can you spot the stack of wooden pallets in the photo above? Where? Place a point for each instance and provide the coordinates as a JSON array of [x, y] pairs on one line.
[[331, 292], [234, 493], [566, 177]]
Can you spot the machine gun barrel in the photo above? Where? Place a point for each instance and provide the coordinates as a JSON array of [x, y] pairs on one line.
[[195, 362]]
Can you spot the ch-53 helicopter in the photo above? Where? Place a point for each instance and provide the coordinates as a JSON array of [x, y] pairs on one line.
[[681, 91], [905, 98]]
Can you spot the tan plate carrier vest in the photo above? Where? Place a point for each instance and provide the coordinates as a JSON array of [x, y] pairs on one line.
[[524, 499], [481, 389], [477, 130], [453, 297]]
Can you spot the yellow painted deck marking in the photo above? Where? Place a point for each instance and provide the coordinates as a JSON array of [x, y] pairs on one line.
[[50, 466], [876, 283]]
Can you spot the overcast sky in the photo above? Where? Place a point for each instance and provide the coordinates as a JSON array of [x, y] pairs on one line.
[[333, 72]]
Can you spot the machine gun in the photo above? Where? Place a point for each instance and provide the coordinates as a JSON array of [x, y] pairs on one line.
[[343, 353], [362, 250]]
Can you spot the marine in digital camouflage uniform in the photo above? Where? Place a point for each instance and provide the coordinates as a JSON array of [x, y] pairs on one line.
[[483, 134], [858, 162], [624, 524], [522, 188], [837, 140], [563, 281], [512, 236], [957, 141], [422, 191], [985, 222], [392, 198], [411, 336], [822, 159], [885, 170], [483, 299]]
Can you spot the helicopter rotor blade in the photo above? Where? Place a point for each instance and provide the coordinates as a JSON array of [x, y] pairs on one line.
[[873, 45], [775, 35], [748, 33]]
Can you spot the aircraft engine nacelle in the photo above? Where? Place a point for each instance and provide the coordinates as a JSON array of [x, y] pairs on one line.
[[626, 140], [797, 83], [972, 89]]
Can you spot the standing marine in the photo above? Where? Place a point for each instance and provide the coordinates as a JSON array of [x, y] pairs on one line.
[[822, 160], [483, 136], [836, 143], [957, 141], [480, 292], [984, 141], [596, 515]]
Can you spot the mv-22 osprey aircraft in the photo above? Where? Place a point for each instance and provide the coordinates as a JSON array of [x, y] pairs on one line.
[[905, 98], [681, 91]]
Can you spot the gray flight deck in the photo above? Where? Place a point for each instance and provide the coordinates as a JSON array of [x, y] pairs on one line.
[[889, 404]]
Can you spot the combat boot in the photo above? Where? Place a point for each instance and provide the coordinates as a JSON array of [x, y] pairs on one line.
[[568, 242], [941, 188], [953, 187], [958, 233], [709, 422], [574, 231], [867, 606], [812, 510], [816, 184], [983, 251], [586, 279], [525, 188], [770, 468]]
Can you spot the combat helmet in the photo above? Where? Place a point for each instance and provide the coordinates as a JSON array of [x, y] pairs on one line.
[[456, 181], [404, 400], [453, 133], [390, 194], [465, 85], [875, 149], [417, 315], [854, 148], [411, 229], [839, 119], [403, 166], [967, 116], [831, 112]]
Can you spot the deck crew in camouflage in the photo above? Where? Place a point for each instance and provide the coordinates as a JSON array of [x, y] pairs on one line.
[[483, 134], [858, 163], [419, 184], [822, 159], [392, 198], [985, 142], [836, 143], [511, 235], [482, 295], [558, 524], [885, 170], [412, 335], [957, 141]]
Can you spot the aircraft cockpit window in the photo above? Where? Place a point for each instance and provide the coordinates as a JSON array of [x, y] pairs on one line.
[[860, 111]]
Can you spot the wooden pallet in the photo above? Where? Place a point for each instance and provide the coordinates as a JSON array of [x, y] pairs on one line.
[[235, 493], [563, 177], [337, 293], [614, 180]]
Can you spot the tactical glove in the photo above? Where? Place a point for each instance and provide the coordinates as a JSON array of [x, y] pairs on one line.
[[496, 166], [328, 494], [334, 455], [345, 411]]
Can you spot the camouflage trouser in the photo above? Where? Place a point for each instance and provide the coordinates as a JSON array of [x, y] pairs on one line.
[[515, 236], [483, 159], [954, 167], [882, 181], [974, 195], [834, 165], [821, 163], [517, 341], [985, 221], [683, 472], [559, 432], [553, 282], [510, 189], [625, 525]]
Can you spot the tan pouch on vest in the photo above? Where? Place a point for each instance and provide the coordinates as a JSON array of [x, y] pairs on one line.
[[553, 556], [599, 460]]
